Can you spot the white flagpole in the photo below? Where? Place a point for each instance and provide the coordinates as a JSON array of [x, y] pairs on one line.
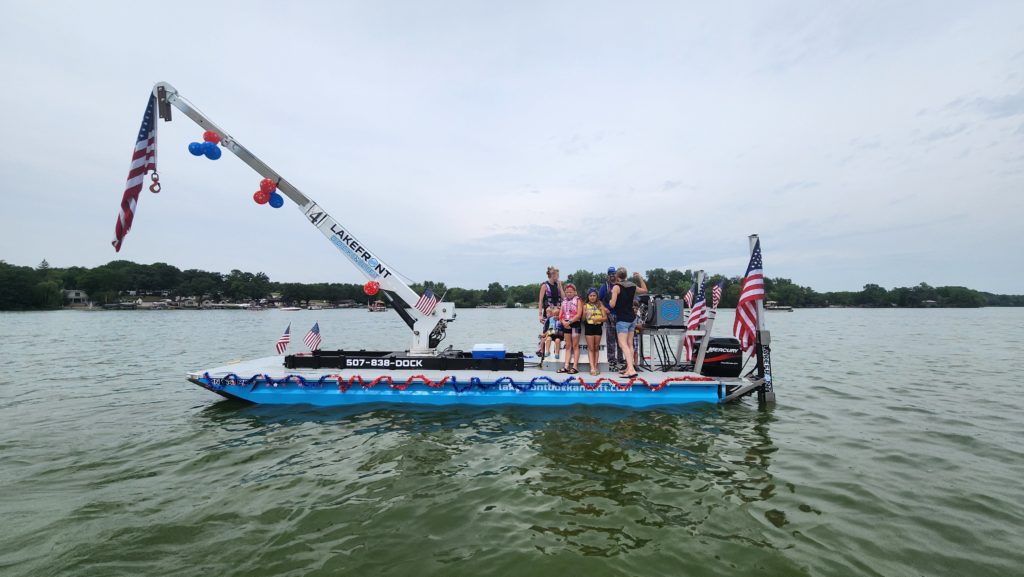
[[699, 363], [766, 393]]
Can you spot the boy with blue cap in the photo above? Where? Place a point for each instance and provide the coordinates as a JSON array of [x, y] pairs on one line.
[[615, 360]]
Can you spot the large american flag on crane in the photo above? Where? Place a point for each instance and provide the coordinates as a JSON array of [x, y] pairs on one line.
[[744, 327], [143, 160]]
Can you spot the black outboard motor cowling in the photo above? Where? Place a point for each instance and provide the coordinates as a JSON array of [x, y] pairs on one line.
[[723, 358]]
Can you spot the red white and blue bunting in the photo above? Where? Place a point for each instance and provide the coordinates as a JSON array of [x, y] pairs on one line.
[[344, 384]]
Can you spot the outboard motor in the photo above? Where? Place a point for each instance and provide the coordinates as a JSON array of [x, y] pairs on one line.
[[723, 358]]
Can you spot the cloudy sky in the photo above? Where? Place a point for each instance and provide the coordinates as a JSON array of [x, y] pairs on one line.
[[469, 142]]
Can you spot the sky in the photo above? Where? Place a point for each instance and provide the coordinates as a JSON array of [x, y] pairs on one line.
[[472, 142]]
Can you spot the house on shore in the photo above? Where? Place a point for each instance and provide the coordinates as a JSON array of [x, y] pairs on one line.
[[76, 298]]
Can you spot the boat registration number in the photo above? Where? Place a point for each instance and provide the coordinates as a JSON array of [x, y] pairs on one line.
[[385, 363]]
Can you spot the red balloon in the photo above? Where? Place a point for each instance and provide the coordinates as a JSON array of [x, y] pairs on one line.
[[371, 288], [267, 185], [261, 197], [211, 136]]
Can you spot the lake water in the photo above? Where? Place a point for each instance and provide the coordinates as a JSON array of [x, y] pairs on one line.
[[894, 449]]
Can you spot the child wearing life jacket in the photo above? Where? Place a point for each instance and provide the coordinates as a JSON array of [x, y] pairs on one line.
[[553, 332], [594, 316], [550, 295], [570, 312]]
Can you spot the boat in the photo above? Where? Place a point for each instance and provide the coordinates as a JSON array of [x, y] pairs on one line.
[[290, 309], [486, 373], [377, 306], [774, 306]]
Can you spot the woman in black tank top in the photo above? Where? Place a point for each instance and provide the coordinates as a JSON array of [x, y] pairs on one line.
[[621, 302], [624, 302]]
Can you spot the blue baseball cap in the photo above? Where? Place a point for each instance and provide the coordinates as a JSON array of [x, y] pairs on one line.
[[612, 269]]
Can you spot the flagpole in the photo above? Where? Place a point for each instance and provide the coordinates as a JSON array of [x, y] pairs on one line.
[[698, 279], [699, 363], [686, 320], [765, 393]]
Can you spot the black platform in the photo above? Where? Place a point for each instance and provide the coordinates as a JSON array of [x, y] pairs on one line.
[[401, 360]]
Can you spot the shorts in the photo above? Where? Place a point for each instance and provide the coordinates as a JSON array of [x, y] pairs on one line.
[[575, 328], [593, 330], [624, 327]]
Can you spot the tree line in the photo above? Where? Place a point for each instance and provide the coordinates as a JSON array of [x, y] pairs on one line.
[[41, 288]]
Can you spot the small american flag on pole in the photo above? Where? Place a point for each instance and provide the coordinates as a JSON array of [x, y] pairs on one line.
[[143, 160], [427, 302], [312, 338], [744, 327], [282, 343], [688, 297], [716, 294], [698, 314]]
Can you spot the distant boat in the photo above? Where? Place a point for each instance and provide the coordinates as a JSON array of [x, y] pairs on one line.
[[774, 306], [291, 309], [315, 308], [377, 307]]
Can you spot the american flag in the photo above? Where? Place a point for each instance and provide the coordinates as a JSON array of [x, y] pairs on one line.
[[744, 327], [143, 160], [688, 297], [427, 302], [698, 315], [716, 294], [312, 338], [282, 343]]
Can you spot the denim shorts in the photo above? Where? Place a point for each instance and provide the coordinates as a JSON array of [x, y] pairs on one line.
[[624, 327]]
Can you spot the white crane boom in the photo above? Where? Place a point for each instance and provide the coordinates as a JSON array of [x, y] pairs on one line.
[[428, 330]]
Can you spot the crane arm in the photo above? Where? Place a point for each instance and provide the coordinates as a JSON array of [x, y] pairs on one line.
[[427, 329]]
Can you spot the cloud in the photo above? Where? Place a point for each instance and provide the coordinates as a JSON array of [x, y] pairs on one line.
[[943, 133], [475, 144], [795, 185], [991, 107]]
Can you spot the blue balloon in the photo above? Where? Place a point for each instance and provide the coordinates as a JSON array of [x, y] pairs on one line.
[[207, 146], [212, 153], [196, 148], [276, 200]]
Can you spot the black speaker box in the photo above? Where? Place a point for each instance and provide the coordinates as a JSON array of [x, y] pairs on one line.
[[666, 313]]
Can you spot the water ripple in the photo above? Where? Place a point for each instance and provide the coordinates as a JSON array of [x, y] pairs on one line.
[[907, 464]]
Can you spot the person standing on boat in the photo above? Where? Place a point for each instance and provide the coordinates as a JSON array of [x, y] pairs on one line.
[[595, 315], [622, 305], [571, 311], [604, 293], [550, 296]]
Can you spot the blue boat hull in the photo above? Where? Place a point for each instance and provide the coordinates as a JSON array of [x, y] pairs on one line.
[[267, 382], [487, 393]]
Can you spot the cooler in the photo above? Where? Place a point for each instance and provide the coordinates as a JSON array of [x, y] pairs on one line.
[[489, 351]]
